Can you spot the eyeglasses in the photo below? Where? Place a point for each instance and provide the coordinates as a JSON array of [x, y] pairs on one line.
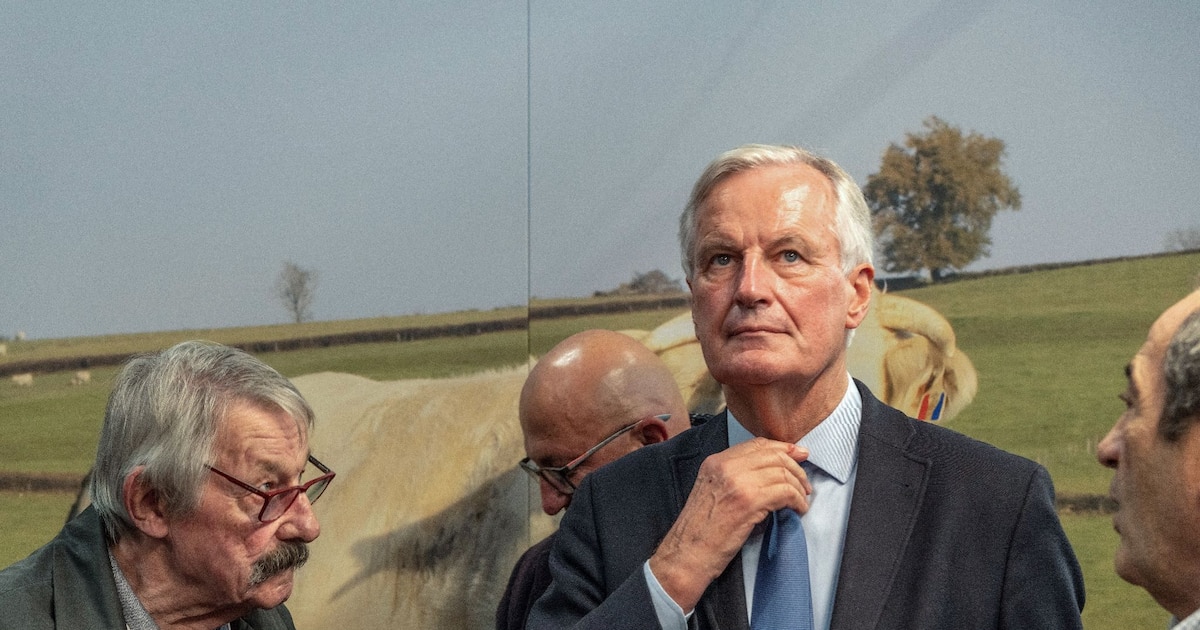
[[276, 502], [559, 477]]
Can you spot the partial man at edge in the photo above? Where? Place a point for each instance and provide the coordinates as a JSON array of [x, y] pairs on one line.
[[908, 525], [1154, 450], [591, 399], [199, 514]]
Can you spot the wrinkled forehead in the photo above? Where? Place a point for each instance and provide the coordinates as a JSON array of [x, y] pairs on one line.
[[781, 210], [247, 421]]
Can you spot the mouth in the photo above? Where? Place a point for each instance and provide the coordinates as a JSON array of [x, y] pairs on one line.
[[289, 555], [749, 330]]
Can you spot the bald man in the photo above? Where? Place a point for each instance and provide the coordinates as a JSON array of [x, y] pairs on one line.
[[1154, 451], [594, 397]]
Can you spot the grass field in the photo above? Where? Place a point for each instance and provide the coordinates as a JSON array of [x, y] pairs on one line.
[[1049, 346]]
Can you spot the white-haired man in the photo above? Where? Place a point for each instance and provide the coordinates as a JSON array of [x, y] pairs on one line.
[[905, 524]]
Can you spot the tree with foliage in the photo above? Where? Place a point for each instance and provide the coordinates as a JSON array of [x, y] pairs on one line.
[[295, 287], [934, 198]]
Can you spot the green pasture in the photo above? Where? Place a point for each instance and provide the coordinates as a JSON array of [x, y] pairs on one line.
[[148, 342], [1112, 603], [1049, 347]]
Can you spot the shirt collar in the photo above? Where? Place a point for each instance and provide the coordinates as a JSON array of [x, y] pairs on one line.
[[832, 444], [136, 617], [1192, 621]]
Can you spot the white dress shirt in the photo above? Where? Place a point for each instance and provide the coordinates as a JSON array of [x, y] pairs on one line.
[[831, 468], [1191, 623]]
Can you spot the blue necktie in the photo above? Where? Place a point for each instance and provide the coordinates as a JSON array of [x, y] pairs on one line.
[[782, 596]]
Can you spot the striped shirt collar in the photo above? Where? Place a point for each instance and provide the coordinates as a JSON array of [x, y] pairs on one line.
[[832, 444]]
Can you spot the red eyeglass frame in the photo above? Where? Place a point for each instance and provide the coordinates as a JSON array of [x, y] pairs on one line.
[[270, 496]]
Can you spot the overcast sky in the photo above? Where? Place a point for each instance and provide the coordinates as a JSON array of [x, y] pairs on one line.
[[160, 162]]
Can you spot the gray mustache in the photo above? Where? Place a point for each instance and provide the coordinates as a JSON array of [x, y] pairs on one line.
[[288, 555]]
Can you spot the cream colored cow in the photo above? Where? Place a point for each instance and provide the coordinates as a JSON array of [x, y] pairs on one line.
[[428, 513], [81, 377], [23, 380]]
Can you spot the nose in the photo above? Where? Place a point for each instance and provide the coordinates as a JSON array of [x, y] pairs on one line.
[[1108, 451], [753, 281], [553, 501], [299, 522]]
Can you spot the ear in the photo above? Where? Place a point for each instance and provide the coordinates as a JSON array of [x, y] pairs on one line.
[[862, 280], [651, 431], [144, 505]]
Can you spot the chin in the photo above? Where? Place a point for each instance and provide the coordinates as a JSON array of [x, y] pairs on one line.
[[746, 375], [1124, 567], [274, 591]]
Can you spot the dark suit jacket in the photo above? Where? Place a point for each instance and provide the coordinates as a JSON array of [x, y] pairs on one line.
[[944, 532], [68, 585], [530, 578]]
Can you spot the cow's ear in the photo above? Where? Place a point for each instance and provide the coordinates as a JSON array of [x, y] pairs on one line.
[[651, 431], [144, 505]]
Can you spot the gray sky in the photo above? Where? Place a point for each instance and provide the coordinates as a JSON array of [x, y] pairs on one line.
[[158, 163]]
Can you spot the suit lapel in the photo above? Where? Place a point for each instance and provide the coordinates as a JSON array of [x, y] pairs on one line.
[[723, 606], [888, 490], [85, 591]]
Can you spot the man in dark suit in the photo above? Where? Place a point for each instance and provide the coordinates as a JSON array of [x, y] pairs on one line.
[[594, 397], [908, 525]]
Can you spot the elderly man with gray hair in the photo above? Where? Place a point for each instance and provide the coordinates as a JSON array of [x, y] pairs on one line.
[[1154, 450], [201, 504], [807, 503]]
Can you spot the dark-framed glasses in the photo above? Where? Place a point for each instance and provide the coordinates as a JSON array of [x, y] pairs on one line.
[[559, 477], [276, 502]]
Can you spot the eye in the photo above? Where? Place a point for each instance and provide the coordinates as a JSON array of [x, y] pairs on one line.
[[722, 260], [790, 256]]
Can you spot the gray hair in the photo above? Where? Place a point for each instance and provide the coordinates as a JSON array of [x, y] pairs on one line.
[[1181, 373], [853, 219], [163, 415]]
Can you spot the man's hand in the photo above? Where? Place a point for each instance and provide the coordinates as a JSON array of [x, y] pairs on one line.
[[734, 491]]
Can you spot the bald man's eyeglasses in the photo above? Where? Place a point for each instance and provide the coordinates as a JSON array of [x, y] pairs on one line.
[[276, 502], [559, 477]]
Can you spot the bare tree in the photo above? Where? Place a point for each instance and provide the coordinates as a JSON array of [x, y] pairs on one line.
[[1183, 239], [649, 283], [295, 287]]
